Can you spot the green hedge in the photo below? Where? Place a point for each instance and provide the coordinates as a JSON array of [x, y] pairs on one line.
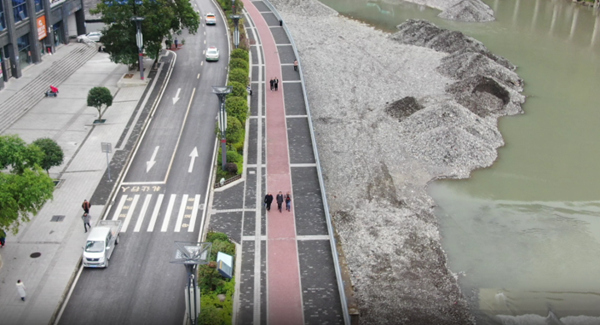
[[212, 310], [239, 64], [240, 54], [239, 75], [238, 107], [239, 90]]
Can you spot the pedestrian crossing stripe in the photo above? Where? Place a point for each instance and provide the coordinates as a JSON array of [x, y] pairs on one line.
[[132, 209]]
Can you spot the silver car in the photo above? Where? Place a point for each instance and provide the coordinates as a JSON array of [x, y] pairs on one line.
[[91, 37]]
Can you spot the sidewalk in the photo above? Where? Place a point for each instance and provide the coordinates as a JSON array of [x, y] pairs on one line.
[[69, 121], [287, 273]]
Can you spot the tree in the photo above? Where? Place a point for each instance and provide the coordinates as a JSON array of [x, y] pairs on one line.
[[99, 96], [161, 18], [24, 187], [53, 153]]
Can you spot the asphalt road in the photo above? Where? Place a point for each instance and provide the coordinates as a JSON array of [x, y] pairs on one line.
[[161, 199]]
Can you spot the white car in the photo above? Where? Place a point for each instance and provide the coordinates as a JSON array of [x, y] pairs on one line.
[[212, 54], [91, 37], [211, 19]]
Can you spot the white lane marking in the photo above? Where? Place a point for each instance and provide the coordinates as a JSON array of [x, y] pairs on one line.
[[140, 220], [155, 212], [193, 156], [152, 160], [181, 213], [119, 207], [176, 98], [194, 213], [130, 213], [165, 224]]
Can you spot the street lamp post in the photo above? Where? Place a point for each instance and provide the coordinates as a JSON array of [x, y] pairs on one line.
[[233, 7], [236, 30], [139, 39], [221, 92]]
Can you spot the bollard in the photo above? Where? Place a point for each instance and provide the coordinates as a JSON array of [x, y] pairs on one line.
[[280, 22]]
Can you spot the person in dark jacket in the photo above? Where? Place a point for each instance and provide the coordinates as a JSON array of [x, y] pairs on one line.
[[268, 201], [279, 200], [86, 206], [272, 81]]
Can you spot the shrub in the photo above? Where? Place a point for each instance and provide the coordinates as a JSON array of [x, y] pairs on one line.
[[231, 168], [240, 54], [239, 90], [237, 107], [235, 157], [213, 235], [239, 64], [239, 75], [235, 130]]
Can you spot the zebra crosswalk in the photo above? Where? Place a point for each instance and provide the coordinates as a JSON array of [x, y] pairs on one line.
[[143, 212]]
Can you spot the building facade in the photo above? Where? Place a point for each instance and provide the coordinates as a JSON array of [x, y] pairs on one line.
[[31, 28]]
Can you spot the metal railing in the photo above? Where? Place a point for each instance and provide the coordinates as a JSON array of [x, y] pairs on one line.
[[332, 241]]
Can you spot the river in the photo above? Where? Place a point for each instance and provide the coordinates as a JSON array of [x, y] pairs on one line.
[[524, 234]]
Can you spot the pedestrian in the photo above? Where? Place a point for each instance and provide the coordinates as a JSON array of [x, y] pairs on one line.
[[279, 200], [167, 44], [86, 221], [276, 83], [86, 206], [295, 65], [176, 41], [249, 89], [272, 81], [288, 201], [2, 238], [21, 289], [268, 201]]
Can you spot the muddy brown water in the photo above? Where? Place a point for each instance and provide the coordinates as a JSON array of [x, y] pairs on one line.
[[524, 234]]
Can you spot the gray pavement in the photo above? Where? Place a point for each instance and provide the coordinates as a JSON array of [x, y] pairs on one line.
[[68, 121]]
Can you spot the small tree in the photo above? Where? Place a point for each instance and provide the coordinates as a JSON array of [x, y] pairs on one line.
[[53, 153], [99, 96]]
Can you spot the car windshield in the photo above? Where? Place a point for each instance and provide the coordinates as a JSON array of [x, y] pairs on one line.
[[210, 16], [94, 246]]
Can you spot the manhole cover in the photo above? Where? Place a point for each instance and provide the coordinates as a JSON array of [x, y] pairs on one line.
[[35, 255], [57, 218]]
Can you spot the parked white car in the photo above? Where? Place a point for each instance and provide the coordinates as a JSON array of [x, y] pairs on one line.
[[91, 37]]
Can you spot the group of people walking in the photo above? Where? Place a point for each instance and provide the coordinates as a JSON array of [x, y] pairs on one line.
[[280, 198], [274, 83]]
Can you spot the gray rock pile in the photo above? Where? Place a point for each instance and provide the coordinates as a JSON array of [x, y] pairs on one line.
[[461, 10], [392, 113]]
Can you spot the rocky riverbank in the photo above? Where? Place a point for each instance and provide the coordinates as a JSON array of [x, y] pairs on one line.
[[391, 113]]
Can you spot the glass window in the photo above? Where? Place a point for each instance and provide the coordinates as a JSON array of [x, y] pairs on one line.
[[39, 5], [2, 22], [19, 10], [24, 55]]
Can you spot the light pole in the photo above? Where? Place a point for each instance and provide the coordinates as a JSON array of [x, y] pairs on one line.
[[221, 92], [139, 40], [233, 7], [236, 30], [190, 255]]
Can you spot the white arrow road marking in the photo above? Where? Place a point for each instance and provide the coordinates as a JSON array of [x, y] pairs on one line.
[[176, 98], [194, 154], [152, 160]]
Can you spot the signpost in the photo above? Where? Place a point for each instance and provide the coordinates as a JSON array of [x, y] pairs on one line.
[[106, 147]]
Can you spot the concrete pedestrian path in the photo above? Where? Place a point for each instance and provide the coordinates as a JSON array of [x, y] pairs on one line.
[[46, 252], [288, 265]]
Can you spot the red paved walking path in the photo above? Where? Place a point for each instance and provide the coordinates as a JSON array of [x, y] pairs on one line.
[[284, 296]]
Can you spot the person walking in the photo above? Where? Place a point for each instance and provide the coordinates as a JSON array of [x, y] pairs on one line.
[[21, 289], [279, 200], [249, 89], [288, 201], [86, 206], [295, 65], [268, 201], [2, 238], [86, 221], [176, 41], [272, 82], [276, 84]]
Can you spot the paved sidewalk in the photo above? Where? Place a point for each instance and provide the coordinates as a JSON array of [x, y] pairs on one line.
[[68, 121], [287, 271]]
